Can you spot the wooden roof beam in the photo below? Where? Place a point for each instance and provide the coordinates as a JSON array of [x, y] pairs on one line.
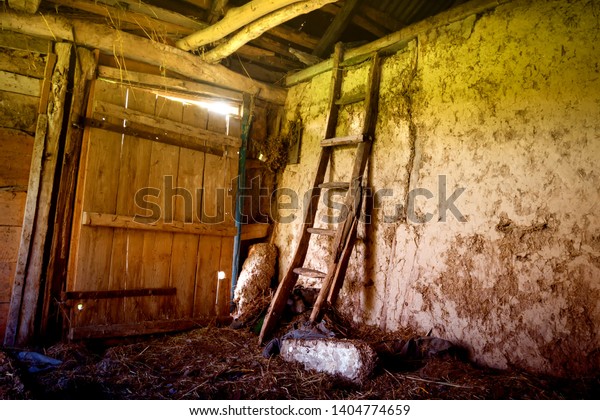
[[359, 20], [260, 26], [27, 6], [113, 41], [165, 22], [288, 34], [236, 18], [337, 27], [217, 10]]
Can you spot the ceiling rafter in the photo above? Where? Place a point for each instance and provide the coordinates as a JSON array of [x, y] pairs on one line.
[[337, 28]]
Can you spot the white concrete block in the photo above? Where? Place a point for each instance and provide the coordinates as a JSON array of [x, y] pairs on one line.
[[351, 359]]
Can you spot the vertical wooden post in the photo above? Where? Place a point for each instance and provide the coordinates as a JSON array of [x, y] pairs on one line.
[[30, 266], [246, 123], [85, 66]]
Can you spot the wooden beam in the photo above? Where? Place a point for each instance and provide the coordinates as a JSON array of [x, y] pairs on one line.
[[167, 84], [358, 19], [217, 10], [203, 4], [142, 328], [117, 14], [260, 26], [130, 222], [306, 58], [18, 41], [35, 269], [51, 320], [269, 60], [17, 83], [33, 190], [27, 6], [112, 41], [236, 18], [116, 294], [398, 40], [108, 110], [295, 37], [337, 27], [379, 17]]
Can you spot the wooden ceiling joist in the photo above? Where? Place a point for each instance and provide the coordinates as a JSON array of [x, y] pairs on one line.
[[112, 41], [298, 38], [116, 15], [337, 27], [359, 20], [217, 10], [236, 18], [260, 26], [27, 6]]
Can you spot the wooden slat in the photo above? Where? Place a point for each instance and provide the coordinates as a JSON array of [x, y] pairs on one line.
[[31, 65], [18, 111], [342, 141], [93, 219], [157, 253], [103, 110], [18, 41], [12, 206], [33, 189], [224, 285], [209, 252], [141, 328], [100, 193], [135, 169], [309, 272], [296, 37], [153, 134], [255, 231], [337, 27], [185, 247], [335, 185], [166, 84], [16, 83], [15, 158], [113, 294], [324, 232], [351, 99], [52, 313]]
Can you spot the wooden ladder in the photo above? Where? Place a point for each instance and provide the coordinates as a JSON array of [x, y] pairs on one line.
[[345, 235]]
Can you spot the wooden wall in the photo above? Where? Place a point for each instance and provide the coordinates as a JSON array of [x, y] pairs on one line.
[[22, 69], [153, 275]]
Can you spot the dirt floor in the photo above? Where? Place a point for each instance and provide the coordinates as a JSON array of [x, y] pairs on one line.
[[222, 363]]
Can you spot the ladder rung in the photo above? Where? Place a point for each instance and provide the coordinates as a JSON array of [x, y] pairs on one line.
[[324, 232], [351, 98], [335, 185], [340, 141], [309, 272]]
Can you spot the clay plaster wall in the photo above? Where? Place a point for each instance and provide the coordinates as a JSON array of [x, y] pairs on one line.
[[505, 105]]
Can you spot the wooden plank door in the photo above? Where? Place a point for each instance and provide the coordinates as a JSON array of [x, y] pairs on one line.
[[152, 242]]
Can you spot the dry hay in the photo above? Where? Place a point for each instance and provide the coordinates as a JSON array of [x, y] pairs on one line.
[[253, 293], [11, 386], [213, 363]]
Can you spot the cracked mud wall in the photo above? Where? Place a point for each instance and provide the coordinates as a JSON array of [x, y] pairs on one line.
[[505, 105]]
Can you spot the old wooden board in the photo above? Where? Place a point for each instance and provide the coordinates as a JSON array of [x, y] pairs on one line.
[[101, 183], [185, 246], [135, 164]]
